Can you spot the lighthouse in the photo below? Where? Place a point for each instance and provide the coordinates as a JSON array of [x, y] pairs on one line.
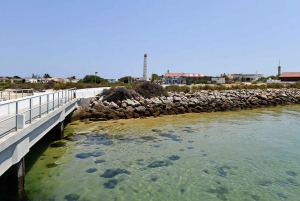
[[145, 69]]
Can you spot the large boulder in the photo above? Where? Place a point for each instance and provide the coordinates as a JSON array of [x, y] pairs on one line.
[[129, 102]]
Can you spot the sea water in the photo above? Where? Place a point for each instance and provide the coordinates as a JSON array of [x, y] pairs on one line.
[[242, 155]]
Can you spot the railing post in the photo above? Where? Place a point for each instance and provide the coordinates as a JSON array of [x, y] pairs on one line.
[[16, 91], [53, 101], [74, 91], [9, 95], [17, 107], [47, 103], [22, 93], [30, 107], [40, 107], [58, 100]]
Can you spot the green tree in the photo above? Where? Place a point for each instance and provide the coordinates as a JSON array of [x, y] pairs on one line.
[[273, 77], [46, 75], [126, 79], [93, 79], [262, 79], [17, 77], [236, 79], [154, 77], [225, 76]]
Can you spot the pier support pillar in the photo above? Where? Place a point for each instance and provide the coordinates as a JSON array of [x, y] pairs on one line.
[[59, 131], [68, 118], [16, 181]]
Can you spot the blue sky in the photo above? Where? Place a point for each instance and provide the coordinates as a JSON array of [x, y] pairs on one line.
[[66, 38]]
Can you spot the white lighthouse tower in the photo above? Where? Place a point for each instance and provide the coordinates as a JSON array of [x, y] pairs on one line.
[[145, 69]]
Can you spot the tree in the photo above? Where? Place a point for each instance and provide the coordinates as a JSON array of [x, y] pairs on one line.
[[126, 79], [225, 76], [72, 77], [154, 77], [272, 77], [262, 79], [17, 77], [47, 75], [236, 79], [92, 79]]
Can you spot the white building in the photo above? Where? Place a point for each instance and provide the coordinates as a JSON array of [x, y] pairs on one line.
[[247, 77], [218, 80], [112, 80], [32, 80]]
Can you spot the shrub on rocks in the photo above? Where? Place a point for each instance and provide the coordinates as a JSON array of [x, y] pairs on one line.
[[149, 90], [119, 94], [177, 88]]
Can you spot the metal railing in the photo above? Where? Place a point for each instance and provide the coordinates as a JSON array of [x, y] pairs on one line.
[[15, 93], [32, 107]]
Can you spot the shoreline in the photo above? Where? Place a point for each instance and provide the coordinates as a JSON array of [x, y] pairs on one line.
[[182, 103]]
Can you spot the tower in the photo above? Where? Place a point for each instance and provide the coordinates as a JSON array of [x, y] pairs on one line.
[[279, 69], [145, 69]]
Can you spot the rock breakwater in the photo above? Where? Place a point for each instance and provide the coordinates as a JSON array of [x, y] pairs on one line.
[[180, 103]]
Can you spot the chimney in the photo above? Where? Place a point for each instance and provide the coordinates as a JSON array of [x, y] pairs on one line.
[[168, 71]]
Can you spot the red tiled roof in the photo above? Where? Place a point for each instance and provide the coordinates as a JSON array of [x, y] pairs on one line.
[[290, 74], [172, 74]]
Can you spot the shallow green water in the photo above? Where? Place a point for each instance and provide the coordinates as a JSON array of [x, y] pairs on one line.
[[244, 155]]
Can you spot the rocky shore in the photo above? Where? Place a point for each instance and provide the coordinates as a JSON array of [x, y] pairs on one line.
[[180, 103]]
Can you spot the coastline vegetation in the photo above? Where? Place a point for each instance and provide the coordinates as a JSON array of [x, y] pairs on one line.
[[142, 88], [194, 88]]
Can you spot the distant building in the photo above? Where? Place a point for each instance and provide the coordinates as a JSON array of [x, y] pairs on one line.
[[73, 80], [184, 78], [112, 80], [140, 79], [43, 80], [218, 80], [290, 77], [27, 79], [3, 79], [247, 77], [32, 80], [15, 80], [58, 80]]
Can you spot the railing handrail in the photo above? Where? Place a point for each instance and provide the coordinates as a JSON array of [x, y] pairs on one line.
[[33, 96], [16, 91], [67, 96]]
